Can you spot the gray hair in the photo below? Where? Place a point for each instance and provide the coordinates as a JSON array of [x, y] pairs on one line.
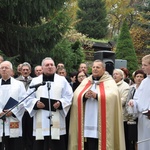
[[10, 64], [26, 64], [47, 58], [98, 60]]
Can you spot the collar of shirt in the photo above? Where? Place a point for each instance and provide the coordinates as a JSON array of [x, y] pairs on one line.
[[25, 78], [48, 78], [5, 82], [96, 79]]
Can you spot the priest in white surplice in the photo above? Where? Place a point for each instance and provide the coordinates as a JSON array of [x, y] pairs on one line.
[[14, 91], [96, 121], [140, 103], [56, 88]]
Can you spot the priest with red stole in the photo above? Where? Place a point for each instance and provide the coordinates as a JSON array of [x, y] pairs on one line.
[[96, 121]]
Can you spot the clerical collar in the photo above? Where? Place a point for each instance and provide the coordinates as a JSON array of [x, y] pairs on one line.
[[48, 78], [96, 79], [5, 82]]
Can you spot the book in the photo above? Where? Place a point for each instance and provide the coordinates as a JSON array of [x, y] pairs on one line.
[[46, 103], [10, 103]]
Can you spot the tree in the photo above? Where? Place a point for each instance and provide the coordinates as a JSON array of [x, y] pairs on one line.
[[92, 18], [70, 53], [125, 49], [31, 28], [118, 10], [140, 30]]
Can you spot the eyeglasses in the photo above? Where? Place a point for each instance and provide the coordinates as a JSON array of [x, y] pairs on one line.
[[82, 76]]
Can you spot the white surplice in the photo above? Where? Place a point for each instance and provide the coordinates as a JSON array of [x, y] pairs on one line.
[[142, 103], [59, 90], [17, 91], [91, 116]]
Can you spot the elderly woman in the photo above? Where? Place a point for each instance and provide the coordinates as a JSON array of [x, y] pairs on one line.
[[118, 76]]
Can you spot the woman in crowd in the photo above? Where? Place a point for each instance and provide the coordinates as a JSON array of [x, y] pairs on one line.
[[80, 76], [126, 76], [118, 76]]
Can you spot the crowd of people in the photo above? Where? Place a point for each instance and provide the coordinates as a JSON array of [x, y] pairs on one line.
[[54, 110]]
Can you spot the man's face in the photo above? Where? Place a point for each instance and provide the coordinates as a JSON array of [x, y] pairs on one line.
[[62, 72], [38, 70], [146, 67], [97, 69], [5, 70], [25, 71], [83, 67], [60, 65], [1, 59], [19, 68], [49, 67]]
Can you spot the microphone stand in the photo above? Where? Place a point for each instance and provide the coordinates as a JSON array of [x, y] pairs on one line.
[[49, 100], [3, 117]]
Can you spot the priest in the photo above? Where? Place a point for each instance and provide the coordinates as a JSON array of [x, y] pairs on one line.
[[48, 106], [12, 91], [96, 121]]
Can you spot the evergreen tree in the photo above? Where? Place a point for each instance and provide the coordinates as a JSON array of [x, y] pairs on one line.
[[92, 15], [31, 28], [125, 49]]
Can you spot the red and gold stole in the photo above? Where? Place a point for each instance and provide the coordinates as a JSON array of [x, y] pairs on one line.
[[102, 111]]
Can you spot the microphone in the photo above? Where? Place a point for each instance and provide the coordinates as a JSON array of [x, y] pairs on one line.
[[37, 85], [48, 85]]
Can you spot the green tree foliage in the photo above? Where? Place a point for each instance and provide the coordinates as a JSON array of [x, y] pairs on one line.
[[125, 49], [92, 18], [144, 12], [31, 28], [143, 19], [69, 53], [117, 11]]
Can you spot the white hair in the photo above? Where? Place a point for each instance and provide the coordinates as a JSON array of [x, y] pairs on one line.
[[6, 61], [120, 72]]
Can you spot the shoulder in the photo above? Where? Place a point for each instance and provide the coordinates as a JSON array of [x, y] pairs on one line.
[[19, 78], [145, 84], [122, 83], [61, 78], [37, 79], [126, 84], [16, 82]]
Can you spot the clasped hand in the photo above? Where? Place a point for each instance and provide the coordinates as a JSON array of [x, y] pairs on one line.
[[90, 94]]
